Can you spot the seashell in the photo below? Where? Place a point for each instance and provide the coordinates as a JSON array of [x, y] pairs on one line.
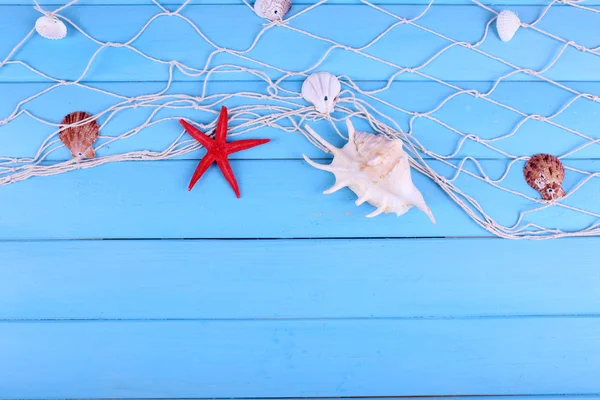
[[545, 173], [79, 136], [273, 10], [507, 24], [377, 169], [322, 90], [51, 27]]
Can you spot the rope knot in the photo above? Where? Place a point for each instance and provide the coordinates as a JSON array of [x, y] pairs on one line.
[[272, 89], [410, 70], [580, 47], [3, 121], [474, 138], [277, 22], [538, 117], [41, 10]]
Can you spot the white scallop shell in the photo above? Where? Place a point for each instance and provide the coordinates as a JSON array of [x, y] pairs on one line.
[[50, 27], [322, 90], [508, 23], [377, 169], [272, 10]]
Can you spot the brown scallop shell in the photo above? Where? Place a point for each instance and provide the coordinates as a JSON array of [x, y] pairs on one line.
[[545, 173], [79, 136]]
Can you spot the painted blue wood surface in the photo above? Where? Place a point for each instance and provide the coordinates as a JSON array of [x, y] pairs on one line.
[[303, 314], [250, 279], [280, 199], [299, 358]]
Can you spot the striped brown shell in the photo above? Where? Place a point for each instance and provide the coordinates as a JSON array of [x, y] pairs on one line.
[[545, 173], [78, 132]]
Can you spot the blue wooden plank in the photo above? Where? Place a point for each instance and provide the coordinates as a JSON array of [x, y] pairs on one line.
[[172, 38], [297, 279], [280, 199], [468, 114], [299, 358]]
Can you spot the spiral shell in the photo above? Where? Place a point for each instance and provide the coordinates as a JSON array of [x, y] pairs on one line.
[[51, 27], [377, 169], [272, 10], [78, 132], [508, 23], [545, 173]]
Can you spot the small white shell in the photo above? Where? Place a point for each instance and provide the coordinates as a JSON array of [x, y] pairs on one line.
[[322, 90], [507, 24], [50, 27], [272, 10], [377, 169]]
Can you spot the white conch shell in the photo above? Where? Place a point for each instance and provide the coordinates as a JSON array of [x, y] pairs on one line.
[[272, 10], [322, 90], [50, 27], [507, 24], [376, 168]]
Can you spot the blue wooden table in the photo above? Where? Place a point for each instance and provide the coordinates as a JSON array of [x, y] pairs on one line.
[[116, 282]]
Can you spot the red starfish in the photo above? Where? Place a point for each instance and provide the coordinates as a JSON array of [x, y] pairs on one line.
[[218, 150]]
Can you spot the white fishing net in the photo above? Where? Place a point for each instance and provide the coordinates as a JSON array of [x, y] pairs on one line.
[[480, 170]]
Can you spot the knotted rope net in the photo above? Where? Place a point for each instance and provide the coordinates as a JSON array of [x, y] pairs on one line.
[[278, 104]]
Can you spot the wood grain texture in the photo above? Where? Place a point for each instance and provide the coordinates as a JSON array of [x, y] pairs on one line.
[[172, 38], [299, 358], [297, 279]]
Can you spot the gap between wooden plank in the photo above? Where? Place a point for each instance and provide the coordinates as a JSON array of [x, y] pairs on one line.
[[301, 2], [557, 396], [258, 320]]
